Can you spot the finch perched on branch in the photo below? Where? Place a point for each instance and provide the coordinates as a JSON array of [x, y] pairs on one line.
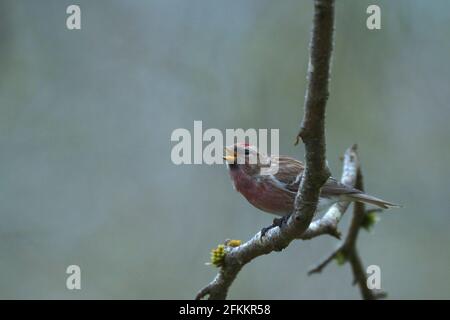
[[271, 183]]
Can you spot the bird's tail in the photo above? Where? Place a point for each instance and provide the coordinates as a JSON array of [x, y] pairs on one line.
[[362, 197]]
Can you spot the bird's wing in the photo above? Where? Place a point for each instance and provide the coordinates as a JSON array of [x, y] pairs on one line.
[[290, 173], [286, 172]]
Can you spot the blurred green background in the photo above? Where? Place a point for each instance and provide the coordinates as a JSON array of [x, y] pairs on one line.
[[85, 124]]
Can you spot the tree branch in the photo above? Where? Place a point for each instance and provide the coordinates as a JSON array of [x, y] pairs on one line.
[[316, 172], [328, 223], [235, 258], [349, 251], [312, 130]]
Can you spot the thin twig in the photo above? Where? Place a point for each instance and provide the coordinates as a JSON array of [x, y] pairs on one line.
[[349, 251]]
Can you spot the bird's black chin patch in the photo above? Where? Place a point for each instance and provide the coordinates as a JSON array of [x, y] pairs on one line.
[[233, 166]]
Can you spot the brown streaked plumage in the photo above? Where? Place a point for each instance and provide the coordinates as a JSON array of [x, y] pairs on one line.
[[271, 183]]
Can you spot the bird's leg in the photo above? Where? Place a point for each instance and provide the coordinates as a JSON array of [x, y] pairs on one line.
[[277, 222]]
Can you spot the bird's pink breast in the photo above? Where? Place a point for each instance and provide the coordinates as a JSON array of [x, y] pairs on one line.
[[263, 195]]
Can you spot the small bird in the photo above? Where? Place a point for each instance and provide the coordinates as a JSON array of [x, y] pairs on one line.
[[271, 183]]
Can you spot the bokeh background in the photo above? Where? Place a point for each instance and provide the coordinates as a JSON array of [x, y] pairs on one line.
[[86, 117]]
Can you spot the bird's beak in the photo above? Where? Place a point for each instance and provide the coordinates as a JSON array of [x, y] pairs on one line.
[[228, 155]]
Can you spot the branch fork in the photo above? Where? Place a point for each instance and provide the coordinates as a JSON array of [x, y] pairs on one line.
[[312, 133]]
